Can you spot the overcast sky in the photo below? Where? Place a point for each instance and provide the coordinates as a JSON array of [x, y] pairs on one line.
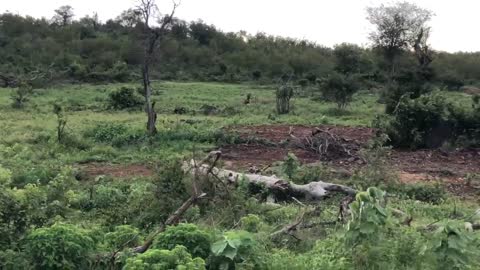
[[456, 26]]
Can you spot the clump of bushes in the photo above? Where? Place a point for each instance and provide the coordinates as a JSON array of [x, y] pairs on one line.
[[114, 134], [434, 194], [66, 245], [21, 95], [339, 88], [177, 258], [196, 240], [125, 98], [430, 121]]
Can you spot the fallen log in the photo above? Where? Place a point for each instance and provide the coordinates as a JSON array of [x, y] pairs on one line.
[[281, 188]]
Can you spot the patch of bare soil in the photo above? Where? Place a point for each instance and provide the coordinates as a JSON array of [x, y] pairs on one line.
[[92, 170], [449, 168], [296, 139]]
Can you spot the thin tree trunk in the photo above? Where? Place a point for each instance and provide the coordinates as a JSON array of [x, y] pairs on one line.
[[149, 104]]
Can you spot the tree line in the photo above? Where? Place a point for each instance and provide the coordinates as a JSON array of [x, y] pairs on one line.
[[88, 50]]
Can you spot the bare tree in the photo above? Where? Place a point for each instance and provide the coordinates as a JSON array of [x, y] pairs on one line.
[[397, 28], [63, 15], [423, 53], [149, 11]]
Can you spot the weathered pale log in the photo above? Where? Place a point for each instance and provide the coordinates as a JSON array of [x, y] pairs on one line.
[[311, 191]]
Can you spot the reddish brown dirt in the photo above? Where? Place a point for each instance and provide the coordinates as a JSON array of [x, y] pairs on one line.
[[92, 170], [260, 155], [279, 133], [413, 166]]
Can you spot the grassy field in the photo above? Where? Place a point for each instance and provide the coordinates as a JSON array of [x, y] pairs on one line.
[[40, 166], [86, 107]]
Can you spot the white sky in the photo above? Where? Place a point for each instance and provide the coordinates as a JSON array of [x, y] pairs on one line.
[[456, 26]]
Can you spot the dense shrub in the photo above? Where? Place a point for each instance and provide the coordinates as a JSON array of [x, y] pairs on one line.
[[251, 223], [107, 132], [429, 121], [34, 175], [5, 177], [125, 98], [426, 193], [155, 259], [123, 236], [339, 88], [451, 81], [115, 134], [236, 249], [196, 240], [60, 246], [290, 165]]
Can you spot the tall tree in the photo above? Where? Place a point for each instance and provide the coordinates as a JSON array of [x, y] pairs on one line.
[[63, 15], [397, 27], [149, 11]]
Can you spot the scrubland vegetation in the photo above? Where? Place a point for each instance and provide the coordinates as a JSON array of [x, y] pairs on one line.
[[373, 153]]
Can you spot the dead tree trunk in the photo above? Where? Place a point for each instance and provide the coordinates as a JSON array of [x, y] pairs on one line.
[[281, 188], [149, 10]]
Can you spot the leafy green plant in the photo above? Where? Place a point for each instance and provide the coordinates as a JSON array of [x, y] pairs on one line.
[[251, 223], [339, 88], [60, 246], [453, 247], [196, 241], [155, 259], [124, 98], [367, 216], [123, 236], [426, 193], [5, 177], [429, 121], [21, 95], [290, 165], [234, 247]]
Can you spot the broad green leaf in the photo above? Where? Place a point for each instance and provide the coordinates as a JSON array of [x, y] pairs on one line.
[[219, 246]]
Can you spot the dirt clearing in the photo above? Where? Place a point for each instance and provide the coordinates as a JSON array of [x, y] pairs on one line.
[[413, 166]]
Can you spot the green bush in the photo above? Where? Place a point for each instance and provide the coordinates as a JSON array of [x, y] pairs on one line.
[[425, 192], [155, 259], [410, 83], [251, 223], [13, 260], [430, 121], [60, 246], [123, 236], [107, 132], [125, 98], [290, 165], [33, 175], [236, 249], [194, 239], [5, 177], [453, 247], [108, 196], [170, 188], [339, 88], [115, 134]]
